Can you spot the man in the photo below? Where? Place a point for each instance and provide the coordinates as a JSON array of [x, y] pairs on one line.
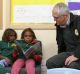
[[68, 38]]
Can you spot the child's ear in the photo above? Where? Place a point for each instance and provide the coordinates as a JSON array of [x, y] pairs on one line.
[[34, 41]]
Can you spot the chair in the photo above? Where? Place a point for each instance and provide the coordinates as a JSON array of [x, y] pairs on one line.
[[63, 71], [38, 70]]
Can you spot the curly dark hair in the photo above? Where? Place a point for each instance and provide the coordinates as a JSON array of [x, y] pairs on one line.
[[28, 30], [8, 32]]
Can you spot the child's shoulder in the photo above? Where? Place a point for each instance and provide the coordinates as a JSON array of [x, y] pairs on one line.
[[35, 41], [19, 41], [2, 42]]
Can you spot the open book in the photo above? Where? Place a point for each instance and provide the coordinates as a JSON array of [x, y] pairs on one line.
[[28, 52], [34, 48]]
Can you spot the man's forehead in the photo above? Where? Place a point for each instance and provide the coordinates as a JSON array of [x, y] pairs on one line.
[[55, 14]]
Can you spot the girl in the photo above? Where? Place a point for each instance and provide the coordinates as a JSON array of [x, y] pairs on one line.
[[8, 53], [32, 55]]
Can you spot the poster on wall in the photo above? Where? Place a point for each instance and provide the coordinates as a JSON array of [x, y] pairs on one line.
[[36, 14], [74, 6], [32, 11]]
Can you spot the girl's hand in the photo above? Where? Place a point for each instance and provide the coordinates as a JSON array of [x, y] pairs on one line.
[[7, 59], [37, 58]]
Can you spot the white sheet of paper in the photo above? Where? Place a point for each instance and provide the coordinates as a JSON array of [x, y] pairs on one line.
[[33, 14]]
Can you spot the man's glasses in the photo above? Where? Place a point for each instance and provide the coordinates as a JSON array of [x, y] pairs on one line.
[[57, 17]]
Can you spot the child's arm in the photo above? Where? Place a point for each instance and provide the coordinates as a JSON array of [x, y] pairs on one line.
[[7, 59], [37, 58], [38, 48], [38, 51]]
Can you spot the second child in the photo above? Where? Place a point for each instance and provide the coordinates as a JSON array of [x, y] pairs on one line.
[[33, 57]]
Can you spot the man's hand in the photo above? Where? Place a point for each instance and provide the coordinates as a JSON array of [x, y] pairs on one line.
[[70, 59]]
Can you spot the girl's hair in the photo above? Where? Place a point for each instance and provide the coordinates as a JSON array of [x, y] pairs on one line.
[[8, 32], [28, 30]]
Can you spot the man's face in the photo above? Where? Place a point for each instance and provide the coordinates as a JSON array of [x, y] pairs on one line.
[[60, 19]]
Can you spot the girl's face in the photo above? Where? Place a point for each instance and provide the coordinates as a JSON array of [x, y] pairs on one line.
[[28, 37], [11, 38]]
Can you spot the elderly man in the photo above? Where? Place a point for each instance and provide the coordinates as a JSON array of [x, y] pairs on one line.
[[68, 38]]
